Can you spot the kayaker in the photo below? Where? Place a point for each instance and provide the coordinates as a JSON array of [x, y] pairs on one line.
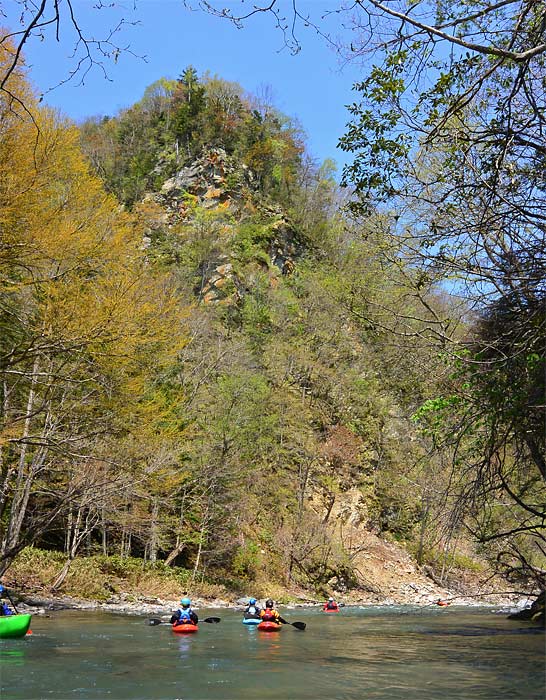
[[330, 605], [185, 614], [4, 609], [252, 610], [269, 614]]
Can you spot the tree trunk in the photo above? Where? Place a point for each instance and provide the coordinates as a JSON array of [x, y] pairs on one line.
[[153, 530], [17, 510], [200, 548], [104, 534], [83, 525]]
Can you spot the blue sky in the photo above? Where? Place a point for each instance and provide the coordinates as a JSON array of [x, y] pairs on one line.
[[311, 85]]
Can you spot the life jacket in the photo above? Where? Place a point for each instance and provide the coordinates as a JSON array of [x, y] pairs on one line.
[[331, 606], [269, 615], [185, 616], [252, 611]]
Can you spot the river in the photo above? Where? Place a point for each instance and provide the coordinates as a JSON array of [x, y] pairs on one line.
[[398, 653]]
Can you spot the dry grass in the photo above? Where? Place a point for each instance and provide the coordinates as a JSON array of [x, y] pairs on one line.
[[99, 578]]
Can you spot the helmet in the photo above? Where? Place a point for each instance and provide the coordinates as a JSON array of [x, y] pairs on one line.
[[252, 601], [330, 600], [269, 603], [185, 602]]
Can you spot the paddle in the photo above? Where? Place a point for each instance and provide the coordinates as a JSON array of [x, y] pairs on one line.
[[11, 601], [298, 625], [156, 621]]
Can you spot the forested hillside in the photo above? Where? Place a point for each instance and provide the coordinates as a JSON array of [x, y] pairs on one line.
[[210, 363]]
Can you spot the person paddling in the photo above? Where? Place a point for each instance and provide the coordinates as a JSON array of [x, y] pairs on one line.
[[252, 610], [331, 605], [185, 615], [4, 609], [269, 614]]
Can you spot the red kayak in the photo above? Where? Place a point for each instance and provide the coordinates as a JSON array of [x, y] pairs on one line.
[[184, 628], [268, 626], [330, 610]]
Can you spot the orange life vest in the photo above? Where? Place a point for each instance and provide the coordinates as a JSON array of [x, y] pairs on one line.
[[269, 615]]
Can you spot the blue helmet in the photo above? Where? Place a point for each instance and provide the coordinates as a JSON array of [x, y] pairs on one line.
[[185, 602], [252, 601]]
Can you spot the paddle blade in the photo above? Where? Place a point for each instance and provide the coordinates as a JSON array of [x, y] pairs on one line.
[[154, 621], [213, 620], [299, 625]]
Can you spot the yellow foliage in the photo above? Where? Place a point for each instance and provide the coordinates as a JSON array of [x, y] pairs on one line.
[[91, 325]]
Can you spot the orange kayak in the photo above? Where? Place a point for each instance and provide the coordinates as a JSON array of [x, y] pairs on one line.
[[267, 626], [184, 628]]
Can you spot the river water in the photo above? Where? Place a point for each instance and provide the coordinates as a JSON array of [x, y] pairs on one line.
[[398, 653]]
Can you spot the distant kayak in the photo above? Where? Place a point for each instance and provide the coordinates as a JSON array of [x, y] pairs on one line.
[[251, 620], [330, 611], [442, 603], [13, 626], [184, 628], [268, 626]]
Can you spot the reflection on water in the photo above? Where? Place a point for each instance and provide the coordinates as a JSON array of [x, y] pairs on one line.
[[11, 656], [184, 647], [389, 654]]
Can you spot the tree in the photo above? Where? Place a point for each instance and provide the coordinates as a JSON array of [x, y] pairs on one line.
[[448, 138], [88, 327], [454, 143]]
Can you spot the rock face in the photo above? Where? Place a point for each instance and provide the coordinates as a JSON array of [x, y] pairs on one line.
[[284, 248], [214, 178], [220, 184], [220, 286]]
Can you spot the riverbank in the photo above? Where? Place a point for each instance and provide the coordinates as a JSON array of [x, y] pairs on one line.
[[144, 605], [131, 586]]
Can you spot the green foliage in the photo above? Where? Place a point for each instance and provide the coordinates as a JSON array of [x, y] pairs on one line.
[[256, 313], [247, 561], [251, 241]]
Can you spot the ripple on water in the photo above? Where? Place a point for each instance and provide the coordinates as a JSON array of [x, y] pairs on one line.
[[361, 655]]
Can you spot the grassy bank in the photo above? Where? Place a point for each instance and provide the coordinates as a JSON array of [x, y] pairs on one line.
[[104, 578]]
